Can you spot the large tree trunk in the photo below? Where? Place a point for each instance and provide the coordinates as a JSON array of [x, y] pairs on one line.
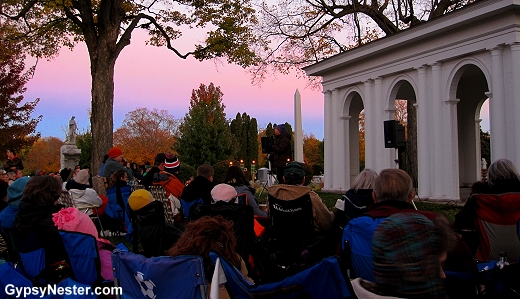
[[102, 119]]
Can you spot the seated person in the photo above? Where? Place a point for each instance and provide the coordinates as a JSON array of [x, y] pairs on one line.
[[210, 234], [33, 225], [82, 195], [168, 174], [113, 163], [408, 250], [235, 177], [358, 198], [156, 236], [201, 185], [503, 177], [7, 216], [73, 220], [293, 188]]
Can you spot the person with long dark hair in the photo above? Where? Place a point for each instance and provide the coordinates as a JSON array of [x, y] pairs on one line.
[[235, 177], [210, 234]]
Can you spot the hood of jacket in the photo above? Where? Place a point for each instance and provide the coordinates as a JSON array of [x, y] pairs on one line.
[[288, 192], [77, 193]]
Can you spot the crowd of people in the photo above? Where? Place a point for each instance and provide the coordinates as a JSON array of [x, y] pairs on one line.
[[410, 249]]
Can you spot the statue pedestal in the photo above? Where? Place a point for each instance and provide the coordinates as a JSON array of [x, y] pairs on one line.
[[69, 155]]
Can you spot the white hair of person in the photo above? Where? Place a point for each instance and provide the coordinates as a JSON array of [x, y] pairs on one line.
[[364, 179], [502, 169]]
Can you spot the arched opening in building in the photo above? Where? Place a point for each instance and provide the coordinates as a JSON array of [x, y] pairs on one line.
[[402, 108], [354, 145], [471, 88]]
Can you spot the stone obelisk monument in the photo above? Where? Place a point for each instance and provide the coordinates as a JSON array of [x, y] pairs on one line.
[[298, 130]]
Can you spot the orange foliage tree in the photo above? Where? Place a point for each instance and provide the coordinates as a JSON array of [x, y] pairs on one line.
[[146, 133], [43, 155], [312, 153]]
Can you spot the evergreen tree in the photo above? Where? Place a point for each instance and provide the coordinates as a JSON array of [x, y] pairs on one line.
[[17, 128], [205, 136], [84, 143], [252, 146], [245, 130]]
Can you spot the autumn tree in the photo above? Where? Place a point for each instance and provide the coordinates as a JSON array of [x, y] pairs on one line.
[[106, 28], [302, 32], [245, 130], [146, 133], [313, 153], [17, 127], [204, 135], [43, 155]]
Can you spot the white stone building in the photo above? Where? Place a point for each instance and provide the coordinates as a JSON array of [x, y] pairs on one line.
[[447, 68]]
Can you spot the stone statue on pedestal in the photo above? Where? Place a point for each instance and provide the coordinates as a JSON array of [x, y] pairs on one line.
[[69, 151]]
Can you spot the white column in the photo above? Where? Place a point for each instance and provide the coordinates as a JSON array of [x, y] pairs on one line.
[[438, 136], [451, 150], [341, 136], [337, 150], [327, 147], [515, 60], [423, 138], [347, 164], [370, 130], [384, 156], [497, 107]]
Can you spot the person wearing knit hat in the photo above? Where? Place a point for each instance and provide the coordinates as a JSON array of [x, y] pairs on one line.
[[224, 192], [166, 173], [155, 235], [139, 199], [407, 252], [293, 188], [14, 195], [172, 164], [280, 150], [83, 196], [113, 163]]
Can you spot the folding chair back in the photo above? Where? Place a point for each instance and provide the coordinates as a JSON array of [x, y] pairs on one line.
[[83, 255], [186, 207], [323, 280], [292, 221], [242, 199], [497, 217], [357, 243], [66, 199], [159, 194], [117, 208], [159, 277]]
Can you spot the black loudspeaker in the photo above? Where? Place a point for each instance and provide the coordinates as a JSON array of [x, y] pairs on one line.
[[265, 144], [394, 134]]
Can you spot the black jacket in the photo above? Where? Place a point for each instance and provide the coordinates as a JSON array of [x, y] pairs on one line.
[[281, 150], [34, 229], [156, 236], [200, 187]]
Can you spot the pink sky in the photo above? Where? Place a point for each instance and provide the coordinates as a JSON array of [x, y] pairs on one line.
[[152, 77]]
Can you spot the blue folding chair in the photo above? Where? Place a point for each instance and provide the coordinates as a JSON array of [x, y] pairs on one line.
[[159, 277], [323, 280], [186, 206], [357, 244], [11, 277], [119, 209], [83, 255]]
